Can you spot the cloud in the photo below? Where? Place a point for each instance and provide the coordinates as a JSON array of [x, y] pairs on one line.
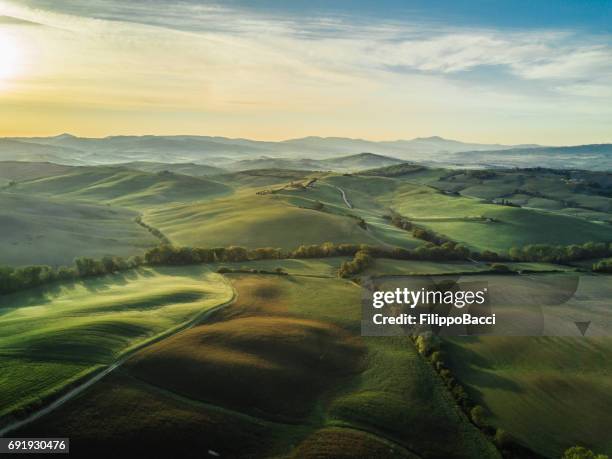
[[201, 58]]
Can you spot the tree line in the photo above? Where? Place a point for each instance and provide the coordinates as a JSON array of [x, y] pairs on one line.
[[21, 278], [14, 279], [560, 253]]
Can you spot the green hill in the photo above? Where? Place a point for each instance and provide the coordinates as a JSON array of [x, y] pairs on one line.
[[23, 170], [123, 187], [50, 337], [249, 220], [485, 226], [355, 162], [43, 230], [551, 393], [282, 372], [194, 170]]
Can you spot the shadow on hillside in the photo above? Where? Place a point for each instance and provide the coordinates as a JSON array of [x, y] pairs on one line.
[[47, 293], [473, 371]]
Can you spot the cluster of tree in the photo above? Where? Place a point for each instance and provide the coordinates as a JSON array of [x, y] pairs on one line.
[[505, 202], [360, 262], [580, 452], [170, 255], [400, 222], [318, 205], [431, 348], [429, 236], [225, 270], [154, 231], [560, 253], [89, 267], [15, 279], [603, 266], [447, 251]]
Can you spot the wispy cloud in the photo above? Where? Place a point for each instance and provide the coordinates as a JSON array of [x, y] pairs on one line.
[[191, 56]]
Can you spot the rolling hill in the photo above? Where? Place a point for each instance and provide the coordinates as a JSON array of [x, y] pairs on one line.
[[194, 170], [52, 337], [44, 230], [26, 170], [221, 151], [118, 186], [591, 157], [355, 162], [281, 372]]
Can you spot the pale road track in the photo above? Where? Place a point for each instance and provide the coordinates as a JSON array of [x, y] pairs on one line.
[[110, 368], [346, 201]]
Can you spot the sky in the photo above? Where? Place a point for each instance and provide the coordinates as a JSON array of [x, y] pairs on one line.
[[484, 71]]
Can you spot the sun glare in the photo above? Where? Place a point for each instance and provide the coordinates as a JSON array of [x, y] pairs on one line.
[[9, 57]]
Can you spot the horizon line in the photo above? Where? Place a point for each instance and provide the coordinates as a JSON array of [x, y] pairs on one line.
[[527, 144]]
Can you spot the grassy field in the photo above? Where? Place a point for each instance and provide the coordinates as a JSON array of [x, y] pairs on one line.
[[38, 230], [315, 267], [362, 194], [249, 220], [123, 187], [565, 192], [388, 267], [283, 370], [20, 170], [50, 337], [551, 393], [283, 364], [484, 226]]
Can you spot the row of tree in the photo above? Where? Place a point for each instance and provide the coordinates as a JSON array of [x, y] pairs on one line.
[[560, 253], [154, 231], [431, 348], [170, 255], [15, 279]]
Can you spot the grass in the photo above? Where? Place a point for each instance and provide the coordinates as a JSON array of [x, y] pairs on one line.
[[551, 393], [123, 414], [346, 443], [22, 170], [362, 193], [248, 220], [124, 187], [459, 218], [39, 230], [49, 337], [283, 371], [388, 267], [287, 350], [399, 394], [270, 367]]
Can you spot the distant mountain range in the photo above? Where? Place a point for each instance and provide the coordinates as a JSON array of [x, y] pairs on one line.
[[234, 154]]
